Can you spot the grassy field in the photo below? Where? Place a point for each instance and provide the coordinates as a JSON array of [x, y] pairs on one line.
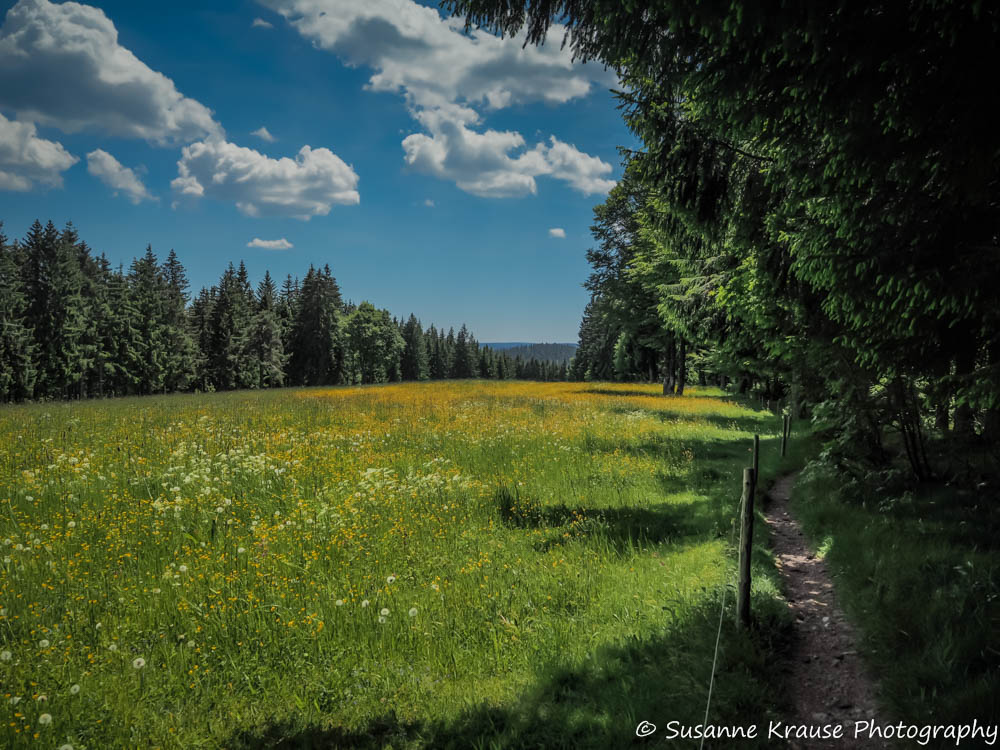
[[462, 564]]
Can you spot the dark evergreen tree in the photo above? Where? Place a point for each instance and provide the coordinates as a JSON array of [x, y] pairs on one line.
[[414, 364], [266, 337], [17, 347], [317, 351]]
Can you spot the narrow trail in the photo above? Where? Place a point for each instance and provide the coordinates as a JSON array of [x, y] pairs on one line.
[[828, 683]]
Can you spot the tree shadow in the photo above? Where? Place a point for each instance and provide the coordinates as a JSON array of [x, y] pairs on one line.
[[595, 704]]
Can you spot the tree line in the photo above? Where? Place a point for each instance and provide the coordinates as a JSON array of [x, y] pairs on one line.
[[812, 216], [72, 326]]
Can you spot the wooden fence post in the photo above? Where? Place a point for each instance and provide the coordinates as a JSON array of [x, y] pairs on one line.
[[746, 547], [784, 434]]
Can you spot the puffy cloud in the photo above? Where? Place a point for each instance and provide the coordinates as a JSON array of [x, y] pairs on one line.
[[118, 177], [444, 74], [303, 187], [281, 244], [262, 24], [557, 232], [432, 60], [483, 164], [26, 159], [61, 65], [264, 134]]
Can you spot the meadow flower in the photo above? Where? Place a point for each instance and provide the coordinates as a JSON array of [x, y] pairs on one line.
[[156, 591], [138, 663], [365, 603], [74, 689], [339, 602], [413, 612], [183, 568], [14, 700], [241, 550], [381, 619], [44, 527], [384, 612], [45, 719], [390, 579], [67, 746], [44, 643], [6, 655], [71, 525], [190, 644], [42, 699], [113, 647]]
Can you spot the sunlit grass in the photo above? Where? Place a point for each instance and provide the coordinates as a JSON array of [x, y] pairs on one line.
[[180, 570]]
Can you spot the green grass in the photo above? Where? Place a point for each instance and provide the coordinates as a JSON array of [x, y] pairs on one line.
[[920, 574], [551, 558]]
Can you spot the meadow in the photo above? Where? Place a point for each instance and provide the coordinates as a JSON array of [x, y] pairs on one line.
[[467, 564]]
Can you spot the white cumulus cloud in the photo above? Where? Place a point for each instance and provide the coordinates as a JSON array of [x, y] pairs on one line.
[[557, 232], [303, 187], [26, 159], [281, 244], [118, 177], [61, 65], [264, 134], [445, 74], [262, 23]]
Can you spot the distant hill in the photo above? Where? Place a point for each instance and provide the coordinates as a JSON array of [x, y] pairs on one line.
[[541, 352]]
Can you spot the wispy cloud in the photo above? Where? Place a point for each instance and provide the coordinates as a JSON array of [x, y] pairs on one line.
[[281, 244], [557, 232], [118, 177], [262, 23], [264, 134]]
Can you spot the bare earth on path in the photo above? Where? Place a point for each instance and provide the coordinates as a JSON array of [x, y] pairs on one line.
[[828, 683]]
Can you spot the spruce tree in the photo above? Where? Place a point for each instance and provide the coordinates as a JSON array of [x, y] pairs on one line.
[[17, 348], [148, 291], [180, 344], [317, 352], [266, 337], [414, 365]]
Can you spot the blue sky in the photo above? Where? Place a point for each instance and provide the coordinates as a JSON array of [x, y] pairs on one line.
[[427, 167]]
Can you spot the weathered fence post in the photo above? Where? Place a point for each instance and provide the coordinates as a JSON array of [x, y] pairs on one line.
[[785, 420], [746, 547]]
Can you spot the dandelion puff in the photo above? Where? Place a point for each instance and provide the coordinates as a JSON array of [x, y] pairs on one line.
[[44, 643], [413, 612], [45, 719], [113, 647], [71, 525], [365, 603], [156, 591], [14, 700], [67, 746], [190, 644], [183, 568], [42, 699], [384, 612], [74, 689], [138, 663], [381, 619], [6, 656], [241, 550], [390, 579], [339, 602]]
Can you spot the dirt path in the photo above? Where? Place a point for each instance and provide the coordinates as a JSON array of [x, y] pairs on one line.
[[828, 683]]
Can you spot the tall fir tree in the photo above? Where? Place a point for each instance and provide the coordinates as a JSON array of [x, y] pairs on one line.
[[181, 348], [266, 336], [317, 351], [17, 347], [413, 364]]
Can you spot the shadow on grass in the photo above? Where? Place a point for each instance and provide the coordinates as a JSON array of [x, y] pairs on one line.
[[596, 704]]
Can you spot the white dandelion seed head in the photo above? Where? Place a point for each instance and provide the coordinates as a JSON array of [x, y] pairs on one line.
[[74, 689], [218, 508], [365, 603], [413, 612], [190, 644], [384, 612], [138, 663], [339, 602], [67, 746], [71, 525], [113, 647], [390, 579], [156, 591], [241, 550], [381, 619], [42, 699], [44, 527], [183, 568], [44, 643], [6, 655], [45, 719], [14, 700]]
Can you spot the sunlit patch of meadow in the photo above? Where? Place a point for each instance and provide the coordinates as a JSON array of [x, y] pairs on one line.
[[173, 568]]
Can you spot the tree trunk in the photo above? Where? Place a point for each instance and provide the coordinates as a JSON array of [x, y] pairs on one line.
[[682, 368], [965, 364]]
